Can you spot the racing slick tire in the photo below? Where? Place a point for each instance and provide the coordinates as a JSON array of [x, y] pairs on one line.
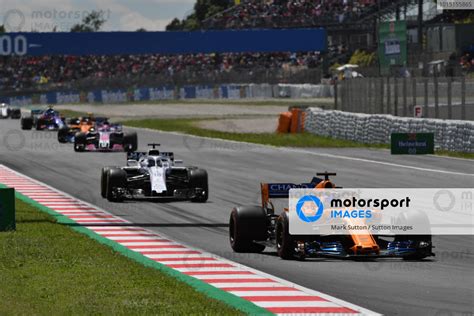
[[26, 123], [130, 142], [116, 178], [62, 134], [422, 242], [247, 224], [284, 242], [38, 125], [80, 142], [103, 182], [15, 114], [198, 180]]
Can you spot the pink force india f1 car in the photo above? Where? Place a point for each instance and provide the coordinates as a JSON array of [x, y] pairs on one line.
[[105, 137]]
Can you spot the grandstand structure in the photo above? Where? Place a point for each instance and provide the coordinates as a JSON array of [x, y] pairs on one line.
[[350, 24]]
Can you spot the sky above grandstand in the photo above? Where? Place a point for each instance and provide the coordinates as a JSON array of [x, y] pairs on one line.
[[61, 15]]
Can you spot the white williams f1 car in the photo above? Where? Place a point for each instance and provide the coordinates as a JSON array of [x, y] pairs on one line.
[[154, 174], [7, 112]]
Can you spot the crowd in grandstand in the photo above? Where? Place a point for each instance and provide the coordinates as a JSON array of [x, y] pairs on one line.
[[278, 13], [467, 62], [25, 72]]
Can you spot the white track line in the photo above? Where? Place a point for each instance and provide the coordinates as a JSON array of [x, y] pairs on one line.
[[307, 152]]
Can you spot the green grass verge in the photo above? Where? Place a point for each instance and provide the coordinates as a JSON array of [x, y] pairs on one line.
[[46, 267], [188, 126], [454, 154]]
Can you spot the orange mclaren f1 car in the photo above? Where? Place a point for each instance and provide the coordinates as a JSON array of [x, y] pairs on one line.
[[75, 125], [253, 228]]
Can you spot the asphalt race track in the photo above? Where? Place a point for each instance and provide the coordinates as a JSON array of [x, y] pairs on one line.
[[440, 286]]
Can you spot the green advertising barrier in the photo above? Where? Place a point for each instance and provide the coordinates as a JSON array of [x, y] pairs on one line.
[[7, 209], [392, 45], [412, 143]]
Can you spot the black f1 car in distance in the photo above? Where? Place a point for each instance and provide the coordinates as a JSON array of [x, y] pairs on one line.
[[42, 120], [252, 228], [154, 174]]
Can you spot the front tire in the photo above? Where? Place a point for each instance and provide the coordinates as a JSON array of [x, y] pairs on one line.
[[62, 135], [422, 243], [284, 241], [130, 142], [116, 179], [80, 142], [242, 234], [39, 123]]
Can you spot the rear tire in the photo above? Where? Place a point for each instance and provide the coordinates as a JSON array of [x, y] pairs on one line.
[[26, 123], [284, 241], [116, 179], [241, 234], [130, 142], [63, 134], [15, 114], [80, 142], [39, 122]]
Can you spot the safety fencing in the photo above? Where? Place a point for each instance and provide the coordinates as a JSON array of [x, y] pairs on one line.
[[169, 92], [452, 135], [436, 97]]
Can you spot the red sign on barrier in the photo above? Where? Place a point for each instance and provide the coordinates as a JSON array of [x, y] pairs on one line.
[[418, 111]]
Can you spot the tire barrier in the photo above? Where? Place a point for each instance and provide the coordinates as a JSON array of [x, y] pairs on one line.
[[452, 135]]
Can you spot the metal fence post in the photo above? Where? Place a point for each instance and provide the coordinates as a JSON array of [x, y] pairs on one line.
[[435, 79], [425, 110], [405, 96], [450, 109], [358, 108], [335, 94], [413, 91], [395, 97], [354, 96], [463, 98], [347, 106], [343, 95], [389, 110], [382, 89], [350, 99], [368, 87]]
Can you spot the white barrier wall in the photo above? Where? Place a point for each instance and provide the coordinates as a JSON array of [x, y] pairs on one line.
[[450, 135], [224, 91], [301, 91], [292, 91]]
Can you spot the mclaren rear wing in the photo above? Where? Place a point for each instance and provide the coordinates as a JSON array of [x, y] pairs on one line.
[[282, 190]]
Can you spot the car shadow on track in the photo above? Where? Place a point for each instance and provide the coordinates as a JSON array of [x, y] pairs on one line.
[[150, 225], [160, 200], [342, 259]]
